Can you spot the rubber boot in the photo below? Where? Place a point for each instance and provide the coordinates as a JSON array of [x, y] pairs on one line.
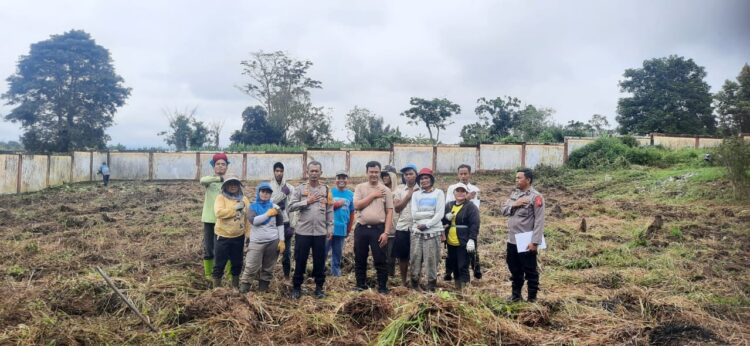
[[235, 282], [415, 284], [431, 285], [244, 287], [217, 282], [263, 286], [208, 268], [228, 269]]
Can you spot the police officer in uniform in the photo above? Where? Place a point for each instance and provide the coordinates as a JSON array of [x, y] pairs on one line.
[[525, 207]]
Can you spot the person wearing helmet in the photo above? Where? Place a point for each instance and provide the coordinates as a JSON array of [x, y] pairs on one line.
[[427, 210], [212, 183], [231, 228]]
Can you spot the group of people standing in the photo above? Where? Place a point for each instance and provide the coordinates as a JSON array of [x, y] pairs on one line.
[[408, 223]]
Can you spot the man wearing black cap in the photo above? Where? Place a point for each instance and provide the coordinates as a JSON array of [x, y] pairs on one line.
[[281, 192]]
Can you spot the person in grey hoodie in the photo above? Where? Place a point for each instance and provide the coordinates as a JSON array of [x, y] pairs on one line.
[[266, 240], [427, 210]]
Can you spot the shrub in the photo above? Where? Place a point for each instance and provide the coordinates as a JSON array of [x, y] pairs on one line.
[[734, 154], [605, 152], [629, 141]]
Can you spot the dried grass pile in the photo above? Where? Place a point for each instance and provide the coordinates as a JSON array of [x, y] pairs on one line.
[[366, 308]]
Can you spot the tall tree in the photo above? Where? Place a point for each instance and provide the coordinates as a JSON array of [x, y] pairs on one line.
[[255, 128], [529, 123], [599, 124], [281, 85], [667, 95], [66, 93], [733, 104], [185, 131], [500, 112], [311, 126], [475, 133], [369, 130], [435, 114]]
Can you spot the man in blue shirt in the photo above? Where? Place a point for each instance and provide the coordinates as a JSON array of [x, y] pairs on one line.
[[104, 171], [343, 216]]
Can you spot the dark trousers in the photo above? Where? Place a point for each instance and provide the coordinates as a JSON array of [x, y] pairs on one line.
[[228, 249], [208, 240], [302, 246], [474, 262], [106, 180], [457, 263], [366, 239], [286, 263], [522, 265]]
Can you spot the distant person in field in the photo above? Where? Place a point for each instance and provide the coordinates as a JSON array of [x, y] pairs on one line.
[[374, 204], [315, 225], [402, 208], [427, 211], [464, 177], [281, 195], [390, 179], [462, 221], [231, 228], [343, 219], [212, 183], [104, 171], [525, 207], [266, 240]]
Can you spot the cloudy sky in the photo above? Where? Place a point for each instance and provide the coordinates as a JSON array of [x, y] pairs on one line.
[[567, 55]]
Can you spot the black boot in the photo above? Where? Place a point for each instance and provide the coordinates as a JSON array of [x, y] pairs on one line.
[[235, 282], [431, 285], [415, 284], [460, 285], [319, 292], [532, 295], [244, 287], [515, 295], [263, 286], [383, 287], [296, 292]]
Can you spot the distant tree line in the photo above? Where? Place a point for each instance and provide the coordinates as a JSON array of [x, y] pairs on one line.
[[65, 93]]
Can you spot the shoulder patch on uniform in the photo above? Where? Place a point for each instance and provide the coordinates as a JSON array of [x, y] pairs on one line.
[[538, 201]]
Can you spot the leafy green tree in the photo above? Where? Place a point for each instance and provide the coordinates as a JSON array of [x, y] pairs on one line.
[[733, 104], [666, 95], [475, 133], [369, 130], [280, 83], [499, 112], [311, 126], [598, 124], [433, 113], [255, 128], [529, 123], [185, 131], [66, 93]]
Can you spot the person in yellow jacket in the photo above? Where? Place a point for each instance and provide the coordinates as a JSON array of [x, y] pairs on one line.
[[231, 228]]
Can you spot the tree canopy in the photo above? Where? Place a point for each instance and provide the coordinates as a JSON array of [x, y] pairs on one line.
[[66, 93], [667, 95]]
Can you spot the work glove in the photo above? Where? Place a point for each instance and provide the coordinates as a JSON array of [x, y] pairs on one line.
[[282, 246], [449, 216], [338, 204], [272, 212], [470, 246], [285, 190], [239, 206]]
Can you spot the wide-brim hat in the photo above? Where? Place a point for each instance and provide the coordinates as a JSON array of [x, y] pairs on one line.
[[230, 180]]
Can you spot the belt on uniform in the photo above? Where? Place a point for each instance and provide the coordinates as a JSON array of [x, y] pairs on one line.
[[375, 227]]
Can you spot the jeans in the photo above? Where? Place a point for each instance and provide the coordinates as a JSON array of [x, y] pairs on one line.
[[335, 245]]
